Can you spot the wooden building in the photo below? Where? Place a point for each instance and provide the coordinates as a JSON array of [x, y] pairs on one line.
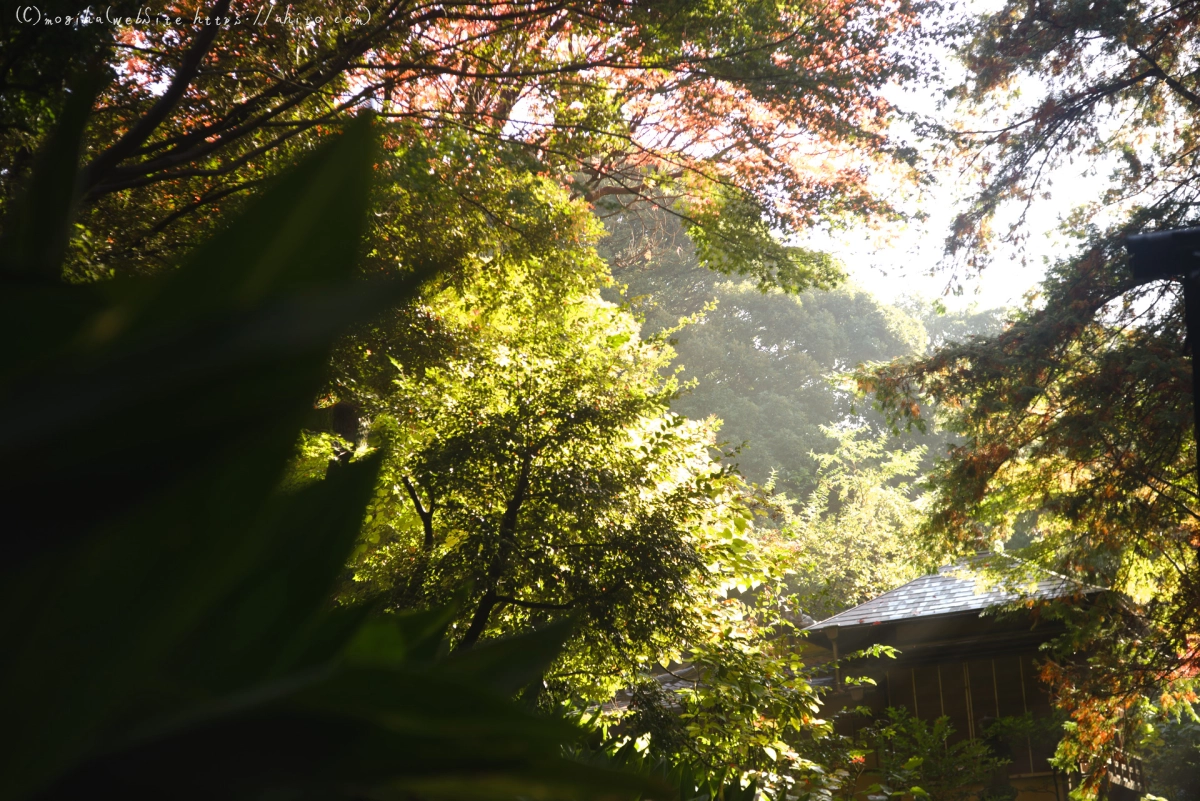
[[957, 658]]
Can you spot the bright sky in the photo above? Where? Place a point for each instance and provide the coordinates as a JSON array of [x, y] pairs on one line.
[[905, 261]]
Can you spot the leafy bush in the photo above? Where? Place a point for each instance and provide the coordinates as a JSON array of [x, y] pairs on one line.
[[1172, 758], [918, 759]]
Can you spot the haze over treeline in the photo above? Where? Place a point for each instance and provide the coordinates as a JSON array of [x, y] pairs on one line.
[[774, 366]]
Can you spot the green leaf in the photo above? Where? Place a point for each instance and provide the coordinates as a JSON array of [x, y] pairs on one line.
[[435, 747], [39, 225], [509, 664], [408, 638], [265, 625]]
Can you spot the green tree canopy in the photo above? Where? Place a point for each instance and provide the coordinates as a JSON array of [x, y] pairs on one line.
[[854, 536], [544, 470]]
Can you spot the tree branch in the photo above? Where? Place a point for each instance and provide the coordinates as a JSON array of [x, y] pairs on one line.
[[504, 599], [426, 514], [100, 166], [507, 533], [1180, 89]]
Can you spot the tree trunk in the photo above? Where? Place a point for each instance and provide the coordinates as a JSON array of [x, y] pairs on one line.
[[416, 583], [508, 539]]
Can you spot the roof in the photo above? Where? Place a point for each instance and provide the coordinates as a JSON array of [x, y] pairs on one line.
[[955, 589]]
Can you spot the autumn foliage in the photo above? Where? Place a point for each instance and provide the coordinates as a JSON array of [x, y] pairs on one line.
[[749, 120], [1076, 422]]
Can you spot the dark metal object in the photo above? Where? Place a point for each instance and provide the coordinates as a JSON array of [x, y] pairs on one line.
[[1164, 254], [1174, 254]]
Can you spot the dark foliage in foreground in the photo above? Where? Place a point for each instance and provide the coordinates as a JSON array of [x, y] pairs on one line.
[[164, 607]]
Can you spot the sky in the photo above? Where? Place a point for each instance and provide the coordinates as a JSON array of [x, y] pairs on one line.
[[901, 261], [906, 260]]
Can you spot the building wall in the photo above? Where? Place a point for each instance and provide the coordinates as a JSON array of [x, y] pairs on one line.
[[972, 693]]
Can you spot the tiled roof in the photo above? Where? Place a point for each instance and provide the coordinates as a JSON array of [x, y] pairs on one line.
[[954, 588]]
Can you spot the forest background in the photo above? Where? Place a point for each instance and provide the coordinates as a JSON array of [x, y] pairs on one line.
[[601, 202]]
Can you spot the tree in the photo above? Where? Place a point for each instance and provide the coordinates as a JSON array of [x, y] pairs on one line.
[[751, 706], [1172, 750], [1111, 79], [743, 119], [764, 363], [531, 455], [545, 470], [740, 699], [853, 536], [943, 326], [1078, 417]]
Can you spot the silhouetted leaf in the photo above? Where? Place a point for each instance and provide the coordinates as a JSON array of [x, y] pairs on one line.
[[510, 664], [36, 233], [168, 630]]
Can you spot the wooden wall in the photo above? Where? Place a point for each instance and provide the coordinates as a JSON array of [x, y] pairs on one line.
[[971, 694]]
